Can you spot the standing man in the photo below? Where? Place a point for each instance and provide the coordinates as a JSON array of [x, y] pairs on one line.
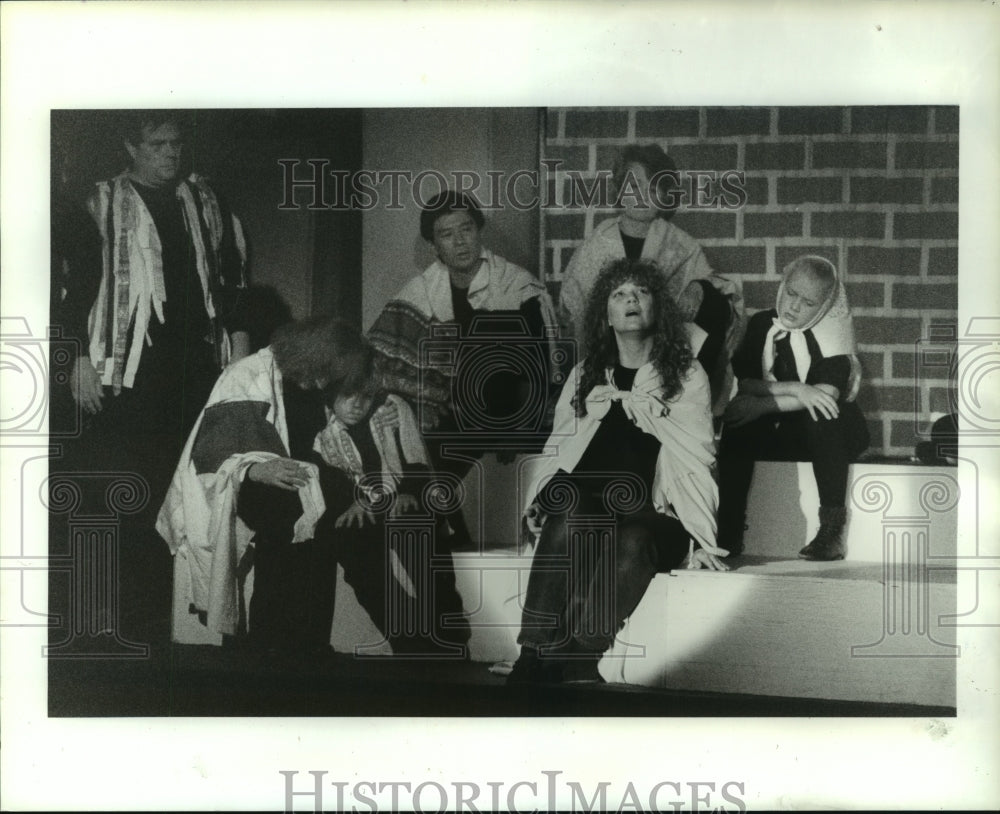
[[157, 318]]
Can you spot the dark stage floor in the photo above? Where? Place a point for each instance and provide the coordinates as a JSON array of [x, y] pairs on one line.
[[188, 680]]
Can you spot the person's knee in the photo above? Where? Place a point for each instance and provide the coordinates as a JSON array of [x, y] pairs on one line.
[[636, 549]]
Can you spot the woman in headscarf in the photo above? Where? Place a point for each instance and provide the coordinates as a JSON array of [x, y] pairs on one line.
[[798, 376], [630, 490]]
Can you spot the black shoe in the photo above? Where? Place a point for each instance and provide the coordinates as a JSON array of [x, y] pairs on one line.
[[533, 668], [582, 671], [527, 669], [580, 665], [731, 537], [828, 544]]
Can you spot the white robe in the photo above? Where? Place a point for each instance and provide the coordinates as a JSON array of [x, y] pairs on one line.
[[199, 512]]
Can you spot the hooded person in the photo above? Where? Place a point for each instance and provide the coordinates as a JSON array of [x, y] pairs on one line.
[[798, 375]]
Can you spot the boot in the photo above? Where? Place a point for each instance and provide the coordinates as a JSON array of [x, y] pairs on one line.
[[732, 527], [533, 667], [580, 667], [828, 544]]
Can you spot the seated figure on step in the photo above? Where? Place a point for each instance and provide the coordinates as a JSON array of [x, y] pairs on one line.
[[272, 475], [634, 452], [798, 376]]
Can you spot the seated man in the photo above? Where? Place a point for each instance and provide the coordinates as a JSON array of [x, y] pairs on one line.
[[485, 384]]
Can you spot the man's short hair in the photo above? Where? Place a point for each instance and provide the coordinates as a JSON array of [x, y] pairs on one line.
[[135, 122], [446, 203]]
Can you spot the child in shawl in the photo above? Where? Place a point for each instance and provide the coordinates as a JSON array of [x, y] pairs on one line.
[[798, 376], [271, 472], [372, 450]]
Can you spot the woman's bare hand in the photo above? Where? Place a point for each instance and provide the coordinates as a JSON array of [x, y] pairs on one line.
[[817, 401]]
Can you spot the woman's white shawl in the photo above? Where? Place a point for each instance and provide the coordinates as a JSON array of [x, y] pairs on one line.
[[678, 255], [683, 484]]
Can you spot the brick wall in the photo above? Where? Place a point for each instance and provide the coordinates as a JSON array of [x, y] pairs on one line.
[[874, 189]]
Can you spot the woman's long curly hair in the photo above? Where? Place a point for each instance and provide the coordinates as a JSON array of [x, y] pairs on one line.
[[671, 352], [324, 349]]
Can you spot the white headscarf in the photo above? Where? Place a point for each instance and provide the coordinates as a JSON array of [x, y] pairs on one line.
[[832, 328]]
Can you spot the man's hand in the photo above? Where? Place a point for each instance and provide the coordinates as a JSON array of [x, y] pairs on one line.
[[284, 473], [690, 301], [85, 385], [703, 559], [355, 514], [403, 505], [817, 401]]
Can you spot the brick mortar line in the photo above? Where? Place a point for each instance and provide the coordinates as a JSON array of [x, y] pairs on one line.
[[769, 173], [796, 242], [784, 208], [815, 206], [899, 313], [781, 139]]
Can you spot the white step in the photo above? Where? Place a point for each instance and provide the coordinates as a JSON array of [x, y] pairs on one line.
[[775, 625], [795, 629]]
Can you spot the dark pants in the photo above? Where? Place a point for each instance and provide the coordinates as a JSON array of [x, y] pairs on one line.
[[588, 576], [428, 621], [831, 445], [293, 597], [294, 583], [137, 438]]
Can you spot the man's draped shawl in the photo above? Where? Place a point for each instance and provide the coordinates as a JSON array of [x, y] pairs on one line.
[[407, 322], [132, 288]]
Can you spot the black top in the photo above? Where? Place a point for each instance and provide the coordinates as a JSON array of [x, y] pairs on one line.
[[463, 310], [633, 245], [832, 370], [187, 326], [504, 391], [184, 310], [619, 446]]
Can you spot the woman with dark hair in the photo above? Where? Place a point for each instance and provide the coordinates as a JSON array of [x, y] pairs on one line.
[[646, 188], [630, 491]]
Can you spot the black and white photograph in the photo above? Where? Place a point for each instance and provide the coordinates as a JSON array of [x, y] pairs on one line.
[[624, 438]]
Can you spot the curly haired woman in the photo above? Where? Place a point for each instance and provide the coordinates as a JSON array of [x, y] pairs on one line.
[[630, 491]]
